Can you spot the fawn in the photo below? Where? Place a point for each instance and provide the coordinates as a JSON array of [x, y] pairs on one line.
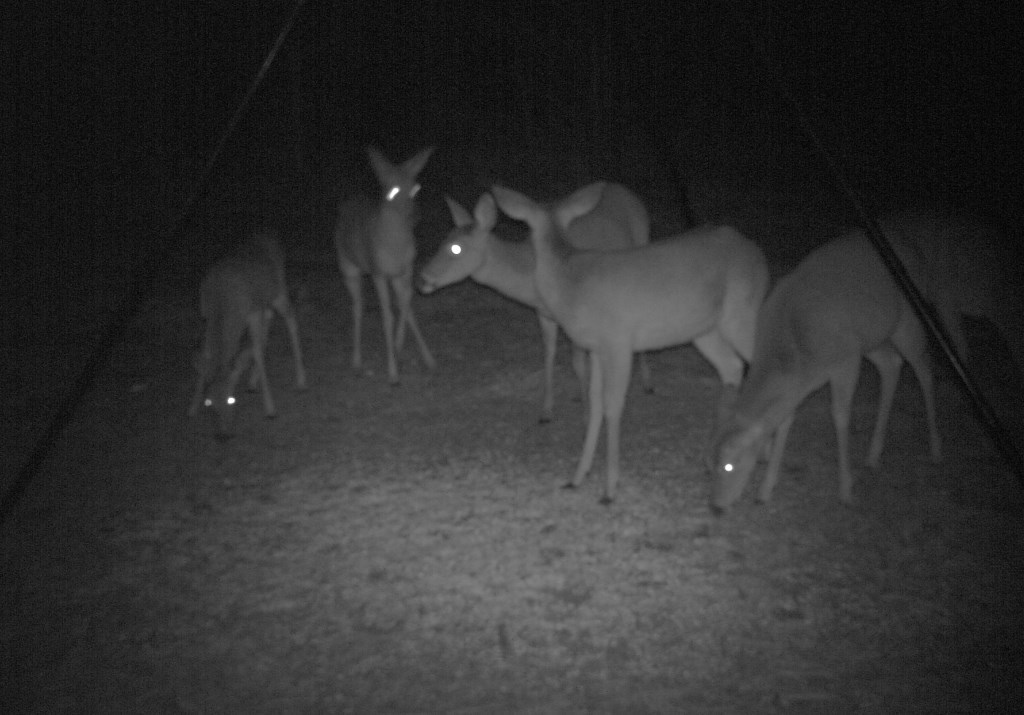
[[240, 294]]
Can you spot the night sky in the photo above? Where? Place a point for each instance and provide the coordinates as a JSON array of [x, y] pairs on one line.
[[115, 107]]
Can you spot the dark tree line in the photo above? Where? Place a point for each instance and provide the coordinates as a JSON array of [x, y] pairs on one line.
[[114, 107]]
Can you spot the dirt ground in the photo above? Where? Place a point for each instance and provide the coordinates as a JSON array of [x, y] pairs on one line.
[[409, 550]]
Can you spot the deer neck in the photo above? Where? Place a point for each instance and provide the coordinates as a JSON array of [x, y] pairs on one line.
[[507, 267], [552, 275], [768, 397]]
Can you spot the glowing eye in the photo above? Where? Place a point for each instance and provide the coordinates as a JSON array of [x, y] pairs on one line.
[[456, 249], [207, 402], [230, 400], [393, 192], [727, 467], [415, 190]]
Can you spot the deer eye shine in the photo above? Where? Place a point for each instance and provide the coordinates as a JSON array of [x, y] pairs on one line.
[[727, 467], [456, 249], [393, 192]]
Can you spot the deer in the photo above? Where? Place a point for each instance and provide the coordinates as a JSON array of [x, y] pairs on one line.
[[838, 305], [375, 237], [704, 287], [238, 298], [960, 273], [472, 249]]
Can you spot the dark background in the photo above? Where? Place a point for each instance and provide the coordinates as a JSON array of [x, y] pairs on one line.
[[115, 106], [113, 109]]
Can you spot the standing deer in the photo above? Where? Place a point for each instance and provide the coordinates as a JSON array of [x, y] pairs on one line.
[[375, 238], [239, 295], [472, 249], [704, 287], [838, 305]]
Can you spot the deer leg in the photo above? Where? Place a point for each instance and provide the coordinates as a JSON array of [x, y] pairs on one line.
[[380, 283], [596, 407], [284, 307], [549, 336], [911, 342], [403, 293], [771, 474], [258, 338], [264, 318], [354, 284], [844, 382], [617, 367], [579, 367], [888, 362]]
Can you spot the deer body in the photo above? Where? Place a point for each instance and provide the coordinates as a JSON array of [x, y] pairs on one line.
[[704, 287], [376, 238], [473, 250], [960, 273], [839, 305], [239, 296]]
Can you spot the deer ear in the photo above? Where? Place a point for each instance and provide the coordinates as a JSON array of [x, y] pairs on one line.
[[414, 165], [513, 203], [381, 166], [580, 202], [486, 213], [523, 208], [460, 217]]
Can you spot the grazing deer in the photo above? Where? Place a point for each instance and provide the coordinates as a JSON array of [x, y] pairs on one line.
[[960, 273], [704, 287], [838, 305], [472, 249], [240, 294], [375, 238]]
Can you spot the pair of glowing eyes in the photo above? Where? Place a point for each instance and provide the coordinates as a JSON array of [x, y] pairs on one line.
[[394, 191], [209, 403]]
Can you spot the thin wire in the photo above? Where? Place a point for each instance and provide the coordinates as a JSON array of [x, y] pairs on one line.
[[139, 287], [239, 113], [999, 434]]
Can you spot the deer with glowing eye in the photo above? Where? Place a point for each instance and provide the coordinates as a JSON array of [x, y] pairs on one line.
[[375, 237], [473, 249], [838, 305], [704, 286], [238, 297]]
